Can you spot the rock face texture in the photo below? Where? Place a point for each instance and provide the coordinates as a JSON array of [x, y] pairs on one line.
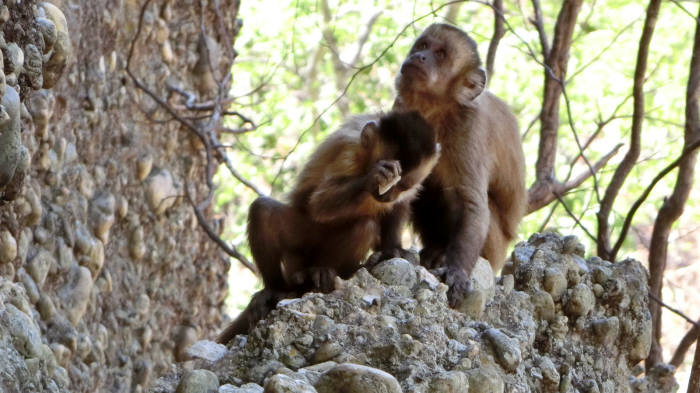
[[104, 275], [558, 323]]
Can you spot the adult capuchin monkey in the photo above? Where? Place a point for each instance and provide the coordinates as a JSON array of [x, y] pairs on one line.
[[355, 178], [472, 202]]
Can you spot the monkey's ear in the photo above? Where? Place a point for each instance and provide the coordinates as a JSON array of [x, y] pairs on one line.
[[369, 132], [473, 85]]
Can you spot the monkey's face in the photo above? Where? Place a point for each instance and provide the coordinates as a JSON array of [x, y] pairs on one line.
[[443, 64]]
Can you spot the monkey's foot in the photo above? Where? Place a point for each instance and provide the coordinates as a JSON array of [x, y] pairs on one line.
[[460, 286], [316, 278]]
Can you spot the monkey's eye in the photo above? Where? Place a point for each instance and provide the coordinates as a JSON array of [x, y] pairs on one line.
[[422, 46], [441, 54]]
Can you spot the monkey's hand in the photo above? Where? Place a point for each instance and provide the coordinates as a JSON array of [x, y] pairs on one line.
[[382, 177], [380, 256], [460, 285]]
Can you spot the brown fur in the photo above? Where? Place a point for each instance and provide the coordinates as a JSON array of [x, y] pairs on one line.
[[335, 212], [474, 200]]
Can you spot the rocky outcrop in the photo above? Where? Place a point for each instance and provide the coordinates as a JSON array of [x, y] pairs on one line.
[[557, 323]]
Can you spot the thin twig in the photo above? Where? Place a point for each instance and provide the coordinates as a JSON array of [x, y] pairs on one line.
[[633, 210], [688, 339], [230, 250], [672, 309]]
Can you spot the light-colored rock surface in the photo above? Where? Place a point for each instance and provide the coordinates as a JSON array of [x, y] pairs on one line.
[[533, 335]]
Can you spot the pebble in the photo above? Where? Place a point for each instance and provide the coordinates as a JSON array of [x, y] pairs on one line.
[[354, 378], [449, 382], [506, 349], [74, 296], [207, 350], [280, 383], [161, 193], [581, 301], [395, 271], [8, 247], [247, 388], [198, 381]]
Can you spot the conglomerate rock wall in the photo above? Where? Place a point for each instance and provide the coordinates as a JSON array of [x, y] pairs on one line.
[[104, 274]]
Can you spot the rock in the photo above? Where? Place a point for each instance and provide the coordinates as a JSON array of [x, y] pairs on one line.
[[26, 337], [102, 208], [207, 350], [485, 381], [75, 294], [450, 382], [482, 278], [506, 349], [280, 383], [247, 388], [581, 301], [354, 378], [161, 193], [395, 271], [606, 329], [62, 49], [8, 247], [554, 282], [198, 381], [39, 266]]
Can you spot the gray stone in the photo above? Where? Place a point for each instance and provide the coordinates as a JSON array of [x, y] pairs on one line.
[[395, 271], [506, 349], [354, 378], [280, 383], [199, 381], [75, 295], [449, 382], [581, 301]]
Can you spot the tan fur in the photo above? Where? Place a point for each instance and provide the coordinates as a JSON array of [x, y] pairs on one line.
[[480, 174], [334, 215]]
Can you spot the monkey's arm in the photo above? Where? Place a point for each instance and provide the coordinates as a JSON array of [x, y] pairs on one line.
[[351, 196], [468, 238]]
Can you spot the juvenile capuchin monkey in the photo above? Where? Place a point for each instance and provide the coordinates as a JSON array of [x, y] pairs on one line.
[[344, 195], [472, 202]]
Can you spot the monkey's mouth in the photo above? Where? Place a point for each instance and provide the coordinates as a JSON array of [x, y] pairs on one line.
[[412, 69]]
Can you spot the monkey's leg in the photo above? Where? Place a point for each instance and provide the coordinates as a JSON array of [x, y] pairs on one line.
[[433, 224], [268, 220], [260, 305], [496, 242], [391, 226]]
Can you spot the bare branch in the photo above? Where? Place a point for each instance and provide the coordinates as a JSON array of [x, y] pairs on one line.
[[555, 73], [539, 25], [498, 32], [364, 37], [230, 250], [572, 215], [638, 203], [632, 155], [673, 206], [690, 337], [563, 188], [694, 382]]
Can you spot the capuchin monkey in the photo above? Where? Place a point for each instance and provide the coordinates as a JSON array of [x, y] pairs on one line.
[[343, 200], [474, 199]]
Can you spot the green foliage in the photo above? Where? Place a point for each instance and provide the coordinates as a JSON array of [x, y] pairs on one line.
[[286, 80]]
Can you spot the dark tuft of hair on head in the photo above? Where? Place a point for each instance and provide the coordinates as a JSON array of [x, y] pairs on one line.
[[414, 138]]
